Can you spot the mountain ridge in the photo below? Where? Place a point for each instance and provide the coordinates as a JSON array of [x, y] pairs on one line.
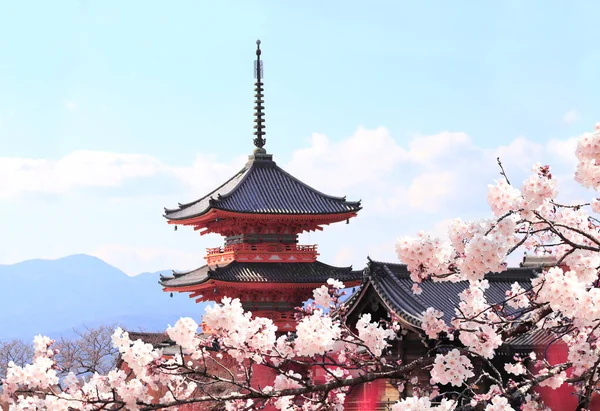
[[53, 296]]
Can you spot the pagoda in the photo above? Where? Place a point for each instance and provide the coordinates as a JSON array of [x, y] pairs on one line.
[[261, 211]]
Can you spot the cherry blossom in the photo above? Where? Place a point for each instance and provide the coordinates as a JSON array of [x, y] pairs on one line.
[[553, 382], [516, 297], [373, 335], [423, 404], [433, 324], [563, 303], [452, 368], [499, 404], [503, 198], [322, 296], [515, 369], [316, 334]]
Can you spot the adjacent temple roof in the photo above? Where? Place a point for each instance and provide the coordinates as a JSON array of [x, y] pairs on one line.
[[315, 272], [263, 187], [393, 285], [158, 340]]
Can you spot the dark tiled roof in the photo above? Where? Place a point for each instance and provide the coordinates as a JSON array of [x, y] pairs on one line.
[[393, 284], [315, 272], [262, 187], [162, 341], [538, 260], [156, 339], [535, 338]]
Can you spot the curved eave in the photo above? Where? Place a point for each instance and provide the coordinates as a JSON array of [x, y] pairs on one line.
[[407, 320], [302, 274], [218, 198], [211, 282], [216, 211], [400, 312], [187, 287]]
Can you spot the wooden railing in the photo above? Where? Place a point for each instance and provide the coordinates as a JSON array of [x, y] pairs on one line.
[[262, 252]]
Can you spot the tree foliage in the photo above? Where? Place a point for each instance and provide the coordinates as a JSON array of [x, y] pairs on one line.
[[315, 367]]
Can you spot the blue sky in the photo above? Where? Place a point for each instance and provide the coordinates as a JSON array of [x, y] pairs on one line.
[[111, 110]]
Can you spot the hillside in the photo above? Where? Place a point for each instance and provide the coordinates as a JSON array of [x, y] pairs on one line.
[[52, 297]]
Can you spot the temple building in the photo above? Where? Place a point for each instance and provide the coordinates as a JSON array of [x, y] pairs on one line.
[[261, 211], [386, 293]]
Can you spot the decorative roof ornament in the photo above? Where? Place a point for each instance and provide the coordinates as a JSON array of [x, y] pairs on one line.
[[259, 120]]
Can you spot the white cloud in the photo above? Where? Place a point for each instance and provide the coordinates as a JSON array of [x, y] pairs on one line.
[[79, 169], [70, 105], [564, 150], [406, 186], [344, 256], [421, 176], [100, 169], [519, 153], [206, 173], [428, 190], [426, 149], [571, 116], [364, 158]]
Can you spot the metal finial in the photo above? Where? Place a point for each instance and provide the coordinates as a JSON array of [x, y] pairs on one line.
[[259, 119]]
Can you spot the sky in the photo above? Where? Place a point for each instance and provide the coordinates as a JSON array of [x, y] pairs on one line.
[[111, 111]]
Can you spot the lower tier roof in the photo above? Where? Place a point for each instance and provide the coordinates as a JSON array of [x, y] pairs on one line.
[[245, 272]]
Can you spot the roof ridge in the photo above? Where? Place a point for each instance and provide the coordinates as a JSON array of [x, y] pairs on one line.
[[511, 273], [386, 263], [254, 162], [348, 267]]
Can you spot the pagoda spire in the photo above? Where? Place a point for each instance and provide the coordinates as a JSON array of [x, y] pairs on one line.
[[259, 120]]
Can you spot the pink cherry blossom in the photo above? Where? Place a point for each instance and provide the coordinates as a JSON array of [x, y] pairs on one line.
[[451, 368]]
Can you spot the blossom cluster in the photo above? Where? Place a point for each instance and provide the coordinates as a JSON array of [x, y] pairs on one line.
[[569, 296], [517, 297], [433, 324], [588, 154], [564, 301], [423, 404], [451, 368], [424, 256], [476, 322], [326, 295], [244, 336], [373, 335], [515, 369]]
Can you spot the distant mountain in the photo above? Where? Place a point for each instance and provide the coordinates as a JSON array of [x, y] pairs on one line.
[[51, 297]]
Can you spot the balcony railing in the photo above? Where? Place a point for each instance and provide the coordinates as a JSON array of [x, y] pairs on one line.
[[262, 252]]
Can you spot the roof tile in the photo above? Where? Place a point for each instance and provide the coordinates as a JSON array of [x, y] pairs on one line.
[[392, 282], [263, 187]]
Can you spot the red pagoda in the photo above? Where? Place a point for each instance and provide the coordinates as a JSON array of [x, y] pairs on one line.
[[261, 211]]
